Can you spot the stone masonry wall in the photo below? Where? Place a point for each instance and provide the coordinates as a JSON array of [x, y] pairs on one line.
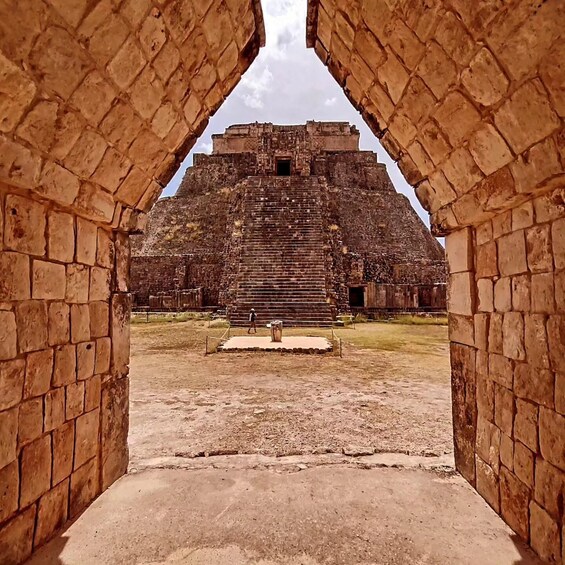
[[467, 97], [99, 104], [507, 315]]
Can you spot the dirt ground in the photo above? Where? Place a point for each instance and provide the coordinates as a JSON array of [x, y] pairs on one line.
[[389, 393]]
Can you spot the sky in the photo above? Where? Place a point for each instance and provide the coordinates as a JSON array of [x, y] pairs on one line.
[[288, 84]]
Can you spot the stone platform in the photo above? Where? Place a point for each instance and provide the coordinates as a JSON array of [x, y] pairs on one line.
[[289, 344]]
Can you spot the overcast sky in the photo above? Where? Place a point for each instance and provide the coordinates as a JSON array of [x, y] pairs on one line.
[[288, 84]]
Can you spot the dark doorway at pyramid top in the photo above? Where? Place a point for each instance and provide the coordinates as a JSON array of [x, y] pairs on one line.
[[292, 221], [283, 167]]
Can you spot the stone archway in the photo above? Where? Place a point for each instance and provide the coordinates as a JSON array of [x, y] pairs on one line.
[[100, 101], [468, 98]]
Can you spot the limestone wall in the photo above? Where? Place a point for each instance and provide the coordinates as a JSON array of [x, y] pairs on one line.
[[467, 96], [99, 103]]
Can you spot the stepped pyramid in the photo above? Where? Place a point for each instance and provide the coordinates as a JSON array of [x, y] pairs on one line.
[[294, 221]]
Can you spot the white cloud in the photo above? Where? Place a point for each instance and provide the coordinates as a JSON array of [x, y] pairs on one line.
[[204, 147], [255, 85], [330, 101]]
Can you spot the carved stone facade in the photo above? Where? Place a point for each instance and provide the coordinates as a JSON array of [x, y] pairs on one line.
[[377, 254]]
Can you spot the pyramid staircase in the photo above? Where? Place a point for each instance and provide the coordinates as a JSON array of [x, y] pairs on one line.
[[282, 268]]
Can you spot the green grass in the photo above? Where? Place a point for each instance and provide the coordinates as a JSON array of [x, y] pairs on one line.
[[419, 320], [168, 317]]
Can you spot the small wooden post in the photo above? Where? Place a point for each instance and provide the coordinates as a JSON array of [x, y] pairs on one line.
[[206, 351]]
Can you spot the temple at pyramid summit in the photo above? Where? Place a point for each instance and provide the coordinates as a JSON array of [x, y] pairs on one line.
[[294, 221]]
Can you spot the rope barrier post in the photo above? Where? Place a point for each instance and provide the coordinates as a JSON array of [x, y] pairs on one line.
[[340, 352], [206, 350]]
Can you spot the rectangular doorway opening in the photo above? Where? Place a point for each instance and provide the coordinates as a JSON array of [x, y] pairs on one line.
[[283, 167], [357, 296]]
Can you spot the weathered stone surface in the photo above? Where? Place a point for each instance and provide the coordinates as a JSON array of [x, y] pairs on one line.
[[551, 430], [512, 254], [16, 537], [549, 487], [51, 512], [9, 490], [59, 323], [48, 280], [35, 469], [8, 436], [31, 319], [24, 225], [86, 437], [65, 365], [514, 501], [54, 414], [14, 276], [544, 533], [63, 448], [61, 237], [487, 484], [84, 487], [8, 335], [114, 430]]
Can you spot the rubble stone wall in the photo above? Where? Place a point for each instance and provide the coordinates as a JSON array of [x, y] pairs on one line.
[[99, 104], [467, 97]]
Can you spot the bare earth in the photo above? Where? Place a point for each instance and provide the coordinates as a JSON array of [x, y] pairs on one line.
[[267, 459], [184, 404]]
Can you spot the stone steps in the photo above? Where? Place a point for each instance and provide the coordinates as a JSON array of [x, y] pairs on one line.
[[282, 270]]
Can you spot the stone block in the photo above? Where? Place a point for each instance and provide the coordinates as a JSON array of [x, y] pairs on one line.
[[437, 69], [481, 323], [461, 329], [522, 216], [558, 239], [513, 336], [536, 340], [59, 323], [524, 464], [120, 333], [514, 502], [77, 283], [14, 276], [32, 323], [461, 294], [538, 245], [526, 424], [94, 98], [99, 319], [105, 249], [503, 295], [86, 437], [507, 451], [86, 154], [521, 288], [103, 349], [100, 280], [556, 339], [85, 360], [461, 171], [65, 365], [18, 165], [59, 184], [527, 116], [87, 234], [74, 404], [512, 254], [112, 170], [127, 64], [9, 491], [487, 265], [35, 469], [51, 512], [485, 295], [504, 409], [536, 166], [147, 93], [8, 335], [485, 396], [489, 150], [484, 79], [459, 250], [48, 280], [63, 449], [551, 434], [434, 142], [114, 431], [122, 251], [12, 375], [393, 76], [502, 224], [54, 409], [61, 236], [8, 436], [30, 421], [544, 534], [24, 228], [84, 487], [495, 341], [483, 233], [80, 323], [488, 443], [93, 393], [550, 487], [487, 484], [16, 537]]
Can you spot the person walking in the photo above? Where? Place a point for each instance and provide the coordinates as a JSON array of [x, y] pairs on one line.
[[252, 318]]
